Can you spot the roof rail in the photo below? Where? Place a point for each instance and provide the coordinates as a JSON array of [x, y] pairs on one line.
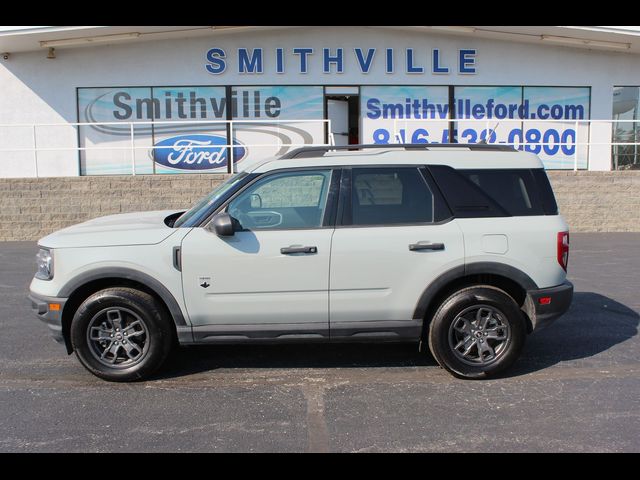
[[313, 151]]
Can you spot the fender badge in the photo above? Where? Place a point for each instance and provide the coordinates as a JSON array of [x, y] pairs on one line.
[[204, 282]]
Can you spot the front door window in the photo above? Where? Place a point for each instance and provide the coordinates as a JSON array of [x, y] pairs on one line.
[[283, 201]]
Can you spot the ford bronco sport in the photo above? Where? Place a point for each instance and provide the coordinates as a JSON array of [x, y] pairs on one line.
[[458, 247]]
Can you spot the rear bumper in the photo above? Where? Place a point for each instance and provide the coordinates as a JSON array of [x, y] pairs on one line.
[[557, 301], [40, 306]]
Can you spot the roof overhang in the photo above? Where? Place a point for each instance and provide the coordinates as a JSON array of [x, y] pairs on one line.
[[603, 38], [27, 39]]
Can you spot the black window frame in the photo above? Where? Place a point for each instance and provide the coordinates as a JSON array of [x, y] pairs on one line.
[[345, 207], [545, 191]]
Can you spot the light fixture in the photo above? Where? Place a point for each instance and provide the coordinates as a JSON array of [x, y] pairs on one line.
[[584, 42], [89, 40], [52, 53], [455, 29]]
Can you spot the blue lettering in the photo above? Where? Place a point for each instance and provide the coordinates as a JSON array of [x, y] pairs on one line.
[[569, 137], [365, 63], [411, 68], [420, 135], [551, 138], [389, 65], [373, 107], [381, 135], [328, 60], [543, 111], [467, 60], [436, 62], [249, 65], [279, 60], [217, 64], [532, 137], [303, 52]]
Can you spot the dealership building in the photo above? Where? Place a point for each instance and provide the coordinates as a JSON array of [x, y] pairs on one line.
[[139, 101]]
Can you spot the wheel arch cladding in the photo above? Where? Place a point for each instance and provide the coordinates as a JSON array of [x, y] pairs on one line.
[[505, 277], [81, 287]]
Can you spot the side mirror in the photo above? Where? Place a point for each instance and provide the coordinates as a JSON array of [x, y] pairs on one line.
[[223, 225]]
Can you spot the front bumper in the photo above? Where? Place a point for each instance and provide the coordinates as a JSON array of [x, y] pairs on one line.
[[557, 302], [41, 308]]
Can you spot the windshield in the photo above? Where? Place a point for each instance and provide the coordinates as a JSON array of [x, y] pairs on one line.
[[196, 213]]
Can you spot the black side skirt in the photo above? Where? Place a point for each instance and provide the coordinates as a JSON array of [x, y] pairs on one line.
[[382, 331]]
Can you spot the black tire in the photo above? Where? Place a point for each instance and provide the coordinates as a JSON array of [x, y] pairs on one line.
[[121, 305], [443, 336]]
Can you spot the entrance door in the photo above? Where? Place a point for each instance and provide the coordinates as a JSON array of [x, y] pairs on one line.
[[338, 113], [272, 275], [343, 109]]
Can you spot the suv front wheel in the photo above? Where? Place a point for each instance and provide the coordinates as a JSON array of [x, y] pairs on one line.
[[121, 334], [477, 332]]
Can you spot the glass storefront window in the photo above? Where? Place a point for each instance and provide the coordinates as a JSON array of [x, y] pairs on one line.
[[500, 107], [626, 128], [269, 121], [293, 117], [560, 140], [180, 145], [541, 120], [391, 114]]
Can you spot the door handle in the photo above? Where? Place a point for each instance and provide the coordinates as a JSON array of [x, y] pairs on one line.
[[426, 246], [292, 249]]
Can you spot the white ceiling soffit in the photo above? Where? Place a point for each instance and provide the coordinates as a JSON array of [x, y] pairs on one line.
[[612, 39], [625, 39], [24, 39]]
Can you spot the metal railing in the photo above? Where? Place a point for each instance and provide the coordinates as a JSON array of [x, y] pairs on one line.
[[228, 128], [610, 133], [491, 134]]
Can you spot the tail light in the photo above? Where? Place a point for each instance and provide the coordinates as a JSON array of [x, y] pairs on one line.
[[563, 249]]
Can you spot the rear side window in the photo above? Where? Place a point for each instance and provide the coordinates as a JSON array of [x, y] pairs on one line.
[[495, 192], [514, 190], [466, 199], [386, 196]]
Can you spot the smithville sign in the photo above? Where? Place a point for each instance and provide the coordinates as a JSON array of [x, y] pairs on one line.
[[297, 60]]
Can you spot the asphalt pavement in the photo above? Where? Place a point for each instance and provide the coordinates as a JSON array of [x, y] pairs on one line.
[[576, 387]]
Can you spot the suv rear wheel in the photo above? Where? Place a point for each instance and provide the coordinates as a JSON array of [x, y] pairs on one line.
[[121, 334], [477, 332]]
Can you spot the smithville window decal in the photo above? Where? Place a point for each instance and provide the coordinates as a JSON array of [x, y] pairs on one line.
[[421, 114], [183, 146]]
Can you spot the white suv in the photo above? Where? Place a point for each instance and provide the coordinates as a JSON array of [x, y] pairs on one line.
[[456, 246]]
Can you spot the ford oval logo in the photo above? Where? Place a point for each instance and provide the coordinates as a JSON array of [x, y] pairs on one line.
[[196, 152]]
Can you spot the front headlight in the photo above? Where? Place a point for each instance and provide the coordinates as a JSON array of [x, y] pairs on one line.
[[44, 259]]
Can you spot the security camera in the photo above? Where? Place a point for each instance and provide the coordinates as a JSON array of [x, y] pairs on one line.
[[5, 56]]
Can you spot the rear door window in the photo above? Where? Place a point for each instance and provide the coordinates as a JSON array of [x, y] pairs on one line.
[[386, 196]]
